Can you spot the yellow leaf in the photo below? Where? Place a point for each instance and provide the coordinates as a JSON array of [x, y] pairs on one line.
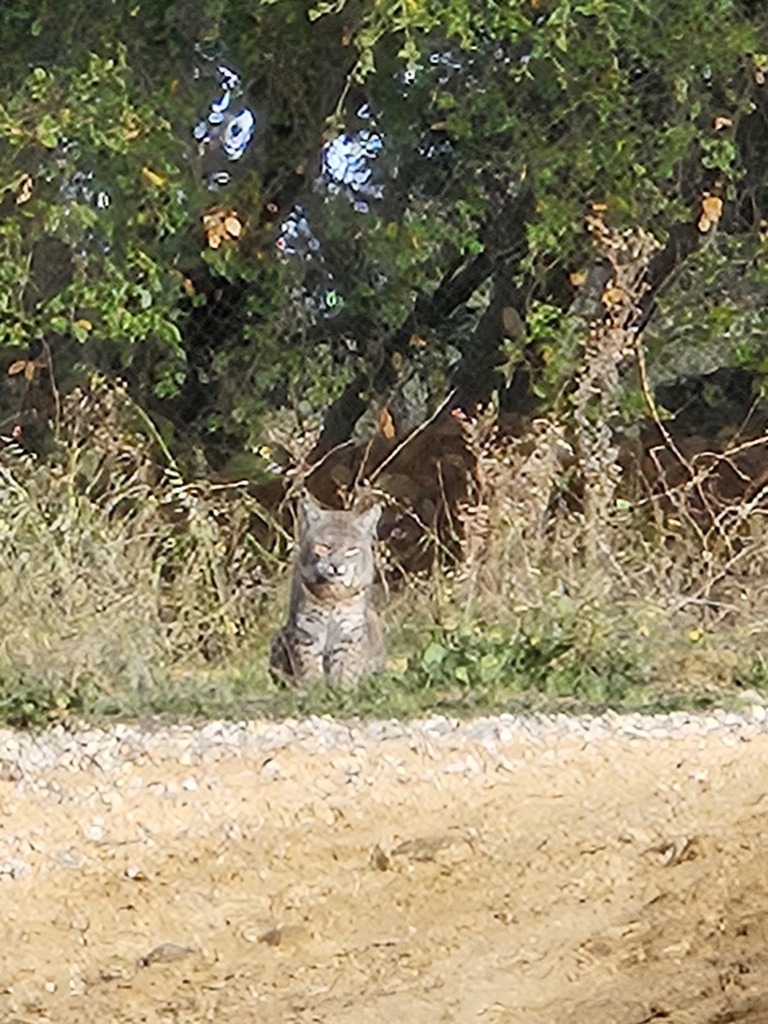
[[26, 186], [221, 224], [416, 341], [613, 296], [712, 206], [152, 177], [711, 211], [577, 278], [186, 284], [17, 367], [386, 423], [84, 325], [721, 122]]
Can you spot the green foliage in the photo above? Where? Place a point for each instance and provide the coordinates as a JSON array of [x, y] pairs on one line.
[[578, 102], [77, 139], [714, 314], [752, 673], [577, 654], [32, 702]]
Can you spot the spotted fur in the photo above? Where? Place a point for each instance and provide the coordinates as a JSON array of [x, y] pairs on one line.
[[333, 632]]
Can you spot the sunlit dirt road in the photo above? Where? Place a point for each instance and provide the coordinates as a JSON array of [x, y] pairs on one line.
[[619, 881]]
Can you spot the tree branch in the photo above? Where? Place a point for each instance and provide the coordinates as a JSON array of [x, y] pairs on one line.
[[505, 241]]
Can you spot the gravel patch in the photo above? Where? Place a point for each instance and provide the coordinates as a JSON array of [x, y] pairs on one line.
[[26, 758], [96, 778]]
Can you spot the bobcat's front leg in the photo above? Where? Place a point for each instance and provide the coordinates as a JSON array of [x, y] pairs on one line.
[[309, 640], [294, 656]]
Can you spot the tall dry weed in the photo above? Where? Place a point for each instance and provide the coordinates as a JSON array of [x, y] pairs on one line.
[[112, 569], [506, 522], [679, 559]]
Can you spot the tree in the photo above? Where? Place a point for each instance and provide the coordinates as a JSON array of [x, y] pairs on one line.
[[409, 209]]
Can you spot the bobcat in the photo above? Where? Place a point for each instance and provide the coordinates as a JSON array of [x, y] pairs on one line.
[[332, 632]]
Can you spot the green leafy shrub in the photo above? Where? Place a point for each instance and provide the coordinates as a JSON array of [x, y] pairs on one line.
[[30, 701], [574, 654]]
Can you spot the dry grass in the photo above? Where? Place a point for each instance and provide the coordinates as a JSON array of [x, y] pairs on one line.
[[128, 591], [114, 572], [652, 596]]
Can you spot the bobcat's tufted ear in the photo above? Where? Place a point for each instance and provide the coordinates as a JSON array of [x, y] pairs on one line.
[[369, 519], [310, 512]]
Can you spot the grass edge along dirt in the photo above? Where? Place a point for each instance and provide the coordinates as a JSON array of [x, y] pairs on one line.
[[457, 673]]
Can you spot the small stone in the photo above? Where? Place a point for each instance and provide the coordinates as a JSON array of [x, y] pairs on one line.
[[165, 953], [287, 935], [379, 859], [69, 859], [76, 982], [755, 696], [271, 770]]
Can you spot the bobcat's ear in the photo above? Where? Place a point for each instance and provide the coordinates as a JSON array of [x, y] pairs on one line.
[[370, 519], [309, 511]]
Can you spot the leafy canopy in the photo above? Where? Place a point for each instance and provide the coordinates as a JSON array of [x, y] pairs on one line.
[[502, 125]]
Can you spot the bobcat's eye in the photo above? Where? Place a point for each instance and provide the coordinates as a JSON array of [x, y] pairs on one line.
[[353, 552], [321, 550]]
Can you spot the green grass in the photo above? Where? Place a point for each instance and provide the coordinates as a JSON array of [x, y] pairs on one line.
[[540, 663]]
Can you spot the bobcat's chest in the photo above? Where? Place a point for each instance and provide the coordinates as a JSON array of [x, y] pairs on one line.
[[322, 622]]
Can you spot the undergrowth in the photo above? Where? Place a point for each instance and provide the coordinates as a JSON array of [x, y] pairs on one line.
[[129, 593]]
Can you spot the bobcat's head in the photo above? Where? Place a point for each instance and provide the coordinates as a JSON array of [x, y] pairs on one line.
[[336, 550]]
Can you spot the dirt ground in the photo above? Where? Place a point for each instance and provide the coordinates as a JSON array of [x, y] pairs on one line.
[[618, 882]]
